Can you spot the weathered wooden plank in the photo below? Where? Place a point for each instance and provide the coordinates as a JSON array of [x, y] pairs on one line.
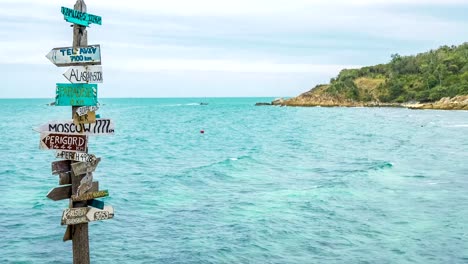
[[96, 203], [73, 216], [61, 141], [84, 74], [80, 18], [64, 178], [75, 56], [76, 94], [85, 167], [61, 166], [68, 234], [102, 126], [65, 192], [88, 118], [75, 156], [85, 184], [90, 195]]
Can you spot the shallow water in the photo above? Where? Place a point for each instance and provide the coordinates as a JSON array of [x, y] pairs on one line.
[[261, 185]]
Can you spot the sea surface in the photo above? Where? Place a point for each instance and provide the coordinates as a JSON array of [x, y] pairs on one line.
[[261, 185]]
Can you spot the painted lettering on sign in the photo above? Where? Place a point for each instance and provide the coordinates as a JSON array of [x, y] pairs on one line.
[[102, 126], [76, 156], [69, 56], [80, 18], [85, 109], [84, 74], [64, 142], [68, 94], [89, 196], [87, 118]]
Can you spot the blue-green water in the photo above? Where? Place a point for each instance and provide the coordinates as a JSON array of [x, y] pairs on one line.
[[262, 185]]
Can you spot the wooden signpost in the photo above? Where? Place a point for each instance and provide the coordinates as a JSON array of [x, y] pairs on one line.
[[75, 56], [102, 126], [84, 74], [76, 94], [70, 138]]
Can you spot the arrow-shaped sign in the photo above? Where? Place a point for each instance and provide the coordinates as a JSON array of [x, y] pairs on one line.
[[74, 216], [79, 56], [79, 168], [90, 196], [80, 18], [65, 192], [102, 126], [59, 141], [84, 74]]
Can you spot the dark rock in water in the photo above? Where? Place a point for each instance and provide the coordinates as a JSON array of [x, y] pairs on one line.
[[260, 104], [278, 101]]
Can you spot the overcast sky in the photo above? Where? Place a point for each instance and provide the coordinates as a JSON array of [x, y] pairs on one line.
[[188, 48]]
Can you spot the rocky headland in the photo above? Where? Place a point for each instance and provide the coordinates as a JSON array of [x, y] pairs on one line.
[[437, 79]]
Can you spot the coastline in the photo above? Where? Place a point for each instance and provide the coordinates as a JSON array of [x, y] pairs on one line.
[[459, 102]]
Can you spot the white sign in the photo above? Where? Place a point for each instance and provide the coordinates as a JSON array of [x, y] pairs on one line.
[[69, 56], [85, 109], [84, 74], [74, 216], [102, 126], [83, 157]]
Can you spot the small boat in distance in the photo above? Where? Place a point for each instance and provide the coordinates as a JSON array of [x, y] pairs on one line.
[[203, 103]]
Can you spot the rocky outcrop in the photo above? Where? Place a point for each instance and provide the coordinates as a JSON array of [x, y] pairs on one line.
[[459, 102], [261, 104], [278, 101]]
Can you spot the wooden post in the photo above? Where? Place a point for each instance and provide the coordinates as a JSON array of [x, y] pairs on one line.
[[80, 231]]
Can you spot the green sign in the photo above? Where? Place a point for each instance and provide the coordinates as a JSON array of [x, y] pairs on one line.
[[80, 18], [76, 94]]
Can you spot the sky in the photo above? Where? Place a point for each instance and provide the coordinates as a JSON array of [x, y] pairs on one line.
[[208, 48]]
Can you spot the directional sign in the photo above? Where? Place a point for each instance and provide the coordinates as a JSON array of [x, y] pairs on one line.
[[80, 18], [85, 109], [84, 74], [85, 184], [89, 196], [61, 166], [96, 203], [82, 94], [83, 157], [88, 118], [65, 192], [74, 216], [85, 167], [61, 141], [103, 126], [79, 56]]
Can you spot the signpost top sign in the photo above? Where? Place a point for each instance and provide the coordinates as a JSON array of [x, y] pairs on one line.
[[80, 18]]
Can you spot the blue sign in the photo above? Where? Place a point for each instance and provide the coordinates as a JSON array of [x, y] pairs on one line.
[[76, 94], [80, 18]]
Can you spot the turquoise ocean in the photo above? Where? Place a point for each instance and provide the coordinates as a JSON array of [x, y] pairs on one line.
[[261, 185]]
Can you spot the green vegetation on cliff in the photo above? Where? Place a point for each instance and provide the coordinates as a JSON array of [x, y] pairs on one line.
[[426, 77]]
